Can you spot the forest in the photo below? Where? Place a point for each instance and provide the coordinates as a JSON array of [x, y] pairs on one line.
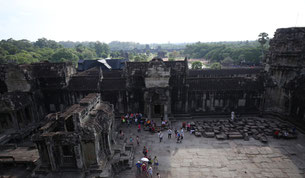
[[248, 52], [226, 53]]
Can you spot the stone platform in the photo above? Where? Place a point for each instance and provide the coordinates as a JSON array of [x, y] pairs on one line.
[[208, 157]]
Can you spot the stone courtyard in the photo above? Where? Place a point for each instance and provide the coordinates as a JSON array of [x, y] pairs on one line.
[[209, 157]]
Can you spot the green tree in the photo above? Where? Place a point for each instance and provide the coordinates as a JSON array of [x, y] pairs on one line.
[[140, 58], [215, 65], [197, 65], [262, 39], [101, 49], [227, 61], [63, 54], [45, 43]]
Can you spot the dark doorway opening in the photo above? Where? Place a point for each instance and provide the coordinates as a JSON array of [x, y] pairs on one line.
[[158, 110]]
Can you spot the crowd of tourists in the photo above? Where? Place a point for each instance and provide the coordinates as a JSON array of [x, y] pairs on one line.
[[147, 124], [147, 164], [146, 167]]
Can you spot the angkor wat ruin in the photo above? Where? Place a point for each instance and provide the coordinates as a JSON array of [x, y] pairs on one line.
[[70, 114]]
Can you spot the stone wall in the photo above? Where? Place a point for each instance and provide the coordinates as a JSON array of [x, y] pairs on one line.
[[285, 66]]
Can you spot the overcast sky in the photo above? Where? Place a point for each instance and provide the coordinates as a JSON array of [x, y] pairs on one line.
[[147, 21]]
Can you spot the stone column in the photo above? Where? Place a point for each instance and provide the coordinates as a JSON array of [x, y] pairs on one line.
[[15, 121], [78, 156], [212, 101], [186, 101], [165, 112], [149, 111], [51, 156]]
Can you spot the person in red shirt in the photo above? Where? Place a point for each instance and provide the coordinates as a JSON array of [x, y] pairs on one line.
[[139, 127]]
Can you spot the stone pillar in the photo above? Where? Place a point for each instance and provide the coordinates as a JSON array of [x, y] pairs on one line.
[[78, 156], [212, 101], [120, 104], [149, 111], [203, 102], [15, 121], [51, 156], [186, 102], [165, 112]]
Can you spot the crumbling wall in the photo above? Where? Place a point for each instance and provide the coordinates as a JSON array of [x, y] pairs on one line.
[[285, 66], [223, 91], [78, 139]]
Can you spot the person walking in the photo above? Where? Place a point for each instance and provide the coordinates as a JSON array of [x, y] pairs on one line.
[[138, 165], [178, 137], [160, 136], [156, 162], [150, 171], [169, 133], [138, 140], [145, 151], [144, 168], [181, 135], [158, 175]]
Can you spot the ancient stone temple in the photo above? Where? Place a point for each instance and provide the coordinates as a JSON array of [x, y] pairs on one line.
[[78, 139], [66, 117], [168, 88], [285, 67]]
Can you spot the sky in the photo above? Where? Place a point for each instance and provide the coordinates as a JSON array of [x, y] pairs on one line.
[[147, 21]]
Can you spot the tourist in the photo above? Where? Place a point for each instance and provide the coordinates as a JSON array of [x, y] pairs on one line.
[[182, 132], [144, 168], [158, 175], [149, 160], [150, 171], [160, 134], [130, 140], [124, 120], [192, 131], [153, 129], [176, 133], [128, 122], [138, 140], [163, 124], [139, 127], [131, 116], [145, 151], [136, 120], [138, 167], [169, 133], [178, 137], [183, 124], [276, 134], [156, 163], [188, 127], [232, 116]]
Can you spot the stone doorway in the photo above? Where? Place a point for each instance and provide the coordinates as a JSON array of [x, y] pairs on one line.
[[158, 110]]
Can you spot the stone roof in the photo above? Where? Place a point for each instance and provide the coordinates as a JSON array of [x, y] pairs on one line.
[[85, 81]]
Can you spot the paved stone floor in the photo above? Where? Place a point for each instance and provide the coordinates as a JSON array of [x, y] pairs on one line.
[[207, 157]]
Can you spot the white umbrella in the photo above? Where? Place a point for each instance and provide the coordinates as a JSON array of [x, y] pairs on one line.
[[144, 159]]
